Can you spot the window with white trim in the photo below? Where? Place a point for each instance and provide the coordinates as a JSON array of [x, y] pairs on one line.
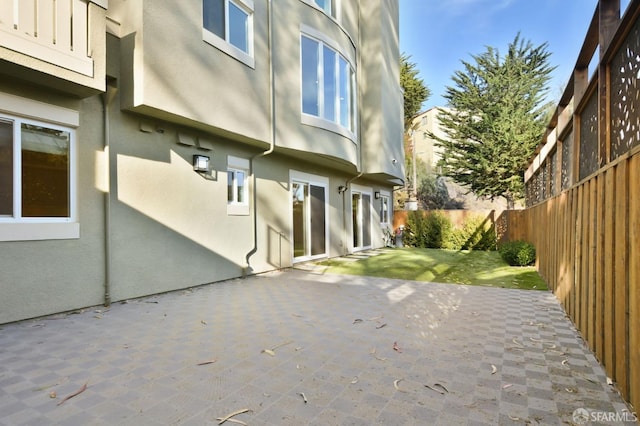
[[228, 25], [237, 186], [384, 208], [37, 180], [328, 83], [328, 6]]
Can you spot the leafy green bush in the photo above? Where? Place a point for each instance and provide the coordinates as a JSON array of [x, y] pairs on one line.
[[432, 230], [518, 253], [435, 230]]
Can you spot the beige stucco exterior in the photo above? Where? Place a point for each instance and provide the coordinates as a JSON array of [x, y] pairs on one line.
[[148, 223]]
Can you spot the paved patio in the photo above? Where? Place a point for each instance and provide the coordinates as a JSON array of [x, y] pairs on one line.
[[301, 347]]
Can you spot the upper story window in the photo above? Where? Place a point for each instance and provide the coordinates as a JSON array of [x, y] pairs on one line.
[[228, 25], [329, 6], [328, 83]]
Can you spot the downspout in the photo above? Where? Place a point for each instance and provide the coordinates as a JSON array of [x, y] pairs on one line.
[[359, 132], [107, 97], [272, 95]]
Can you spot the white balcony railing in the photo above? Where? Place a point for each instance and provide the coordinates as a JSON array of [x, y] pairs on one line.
[[54, 31]]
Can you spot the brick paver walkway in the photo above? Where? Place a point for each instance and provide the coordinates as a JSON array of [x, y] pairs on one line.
[[359, 350]]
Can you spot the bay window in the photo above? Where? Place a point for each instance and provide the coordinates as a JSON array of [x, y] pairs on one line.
[[328, 83]]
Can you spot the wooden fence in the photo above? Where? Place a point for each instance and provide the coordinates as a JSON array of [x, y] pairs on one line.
[[583, 196], [588, 245]]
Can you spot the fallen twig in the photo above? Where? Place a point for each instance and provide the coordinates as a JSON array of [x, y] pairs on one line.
[[433, 388], [78, 392], [381, 325], [228, 416]]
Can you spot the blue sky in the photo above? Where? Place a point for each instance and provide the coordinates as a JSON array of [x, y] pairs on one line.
[[438, 34]]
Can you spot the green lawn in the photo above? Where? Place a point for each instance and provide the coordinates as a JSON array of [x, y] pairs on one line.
[[484, 268]]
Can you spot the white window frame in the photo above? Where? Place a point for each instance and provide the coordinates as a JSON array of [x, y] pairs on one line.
[[319, 181], [234, 207], [22, 110], [224, 44], [334, 8], [319, 120], [385, 195]]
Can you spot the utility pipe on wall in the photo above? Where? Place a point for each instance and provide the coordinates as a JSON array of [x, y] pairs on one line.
[[107, 97], [247, 267]]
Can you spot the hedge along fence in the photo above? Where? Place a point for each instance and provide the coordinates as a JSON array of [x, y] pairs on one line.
[[475, 227]]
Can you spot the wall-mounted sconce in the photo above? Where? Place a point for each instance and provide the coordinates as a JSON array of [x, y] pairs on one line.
[[341, 189], [376, 195], [201, 163]]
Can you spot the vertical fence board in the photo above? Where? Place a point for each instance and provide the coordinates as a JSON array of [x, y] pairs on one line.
[[590, 262], [634, 284], [608, 330], [598, 261], [579, 277], [620, 279]]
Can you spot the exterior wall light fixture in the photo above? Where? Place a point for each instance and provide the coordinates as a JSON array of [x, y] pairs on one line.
[[201, 163]]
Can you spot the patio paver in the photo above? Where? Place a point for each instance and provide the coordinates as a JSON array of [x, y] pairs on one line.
[[360, 349]]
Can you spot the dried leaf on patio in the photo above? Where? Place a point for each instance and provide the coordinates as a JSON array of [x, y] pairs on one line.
[[434, 389], [494, 369], [211, 361], [228, 416], [396, 347], [203, 322], [78, 392], [53, 395], [357, 321], [565, 361], [354, 380], [441, 386], [268, 352], [381, 325], [304, 398], [508, 385], [535, 340], [516, 342], [395, 385]]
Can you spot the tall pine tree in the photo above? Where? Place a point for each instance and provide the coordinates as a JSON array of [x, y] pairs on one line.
[[497, 118]]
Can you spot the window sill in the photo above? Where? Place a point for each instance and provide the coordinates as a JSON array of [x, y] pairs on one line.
[[237, 210], [227, 48], [39, 231]]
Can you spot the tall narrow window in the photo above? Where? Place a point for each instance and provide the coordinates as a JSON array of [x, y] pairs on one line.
[[310, 76], [384, 209], [327, 84], [228, 25], [237, 186], [6, 168]]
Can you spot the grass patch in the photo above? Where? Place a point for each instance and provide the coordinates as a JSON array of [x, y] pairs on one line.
[[483, 268]]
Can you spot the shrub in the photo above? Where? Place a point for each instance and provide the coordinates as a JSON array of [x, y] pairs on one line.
[[432, 230], [518, 253]]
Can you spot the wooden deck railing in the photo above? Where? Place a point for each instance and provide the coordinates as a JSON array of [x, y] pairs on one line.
[[53, 31], [583, 196]]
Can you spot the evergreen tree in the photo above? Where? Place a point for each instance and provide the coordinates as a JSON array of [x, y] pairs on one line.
[[415, 91], [497, 119]]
